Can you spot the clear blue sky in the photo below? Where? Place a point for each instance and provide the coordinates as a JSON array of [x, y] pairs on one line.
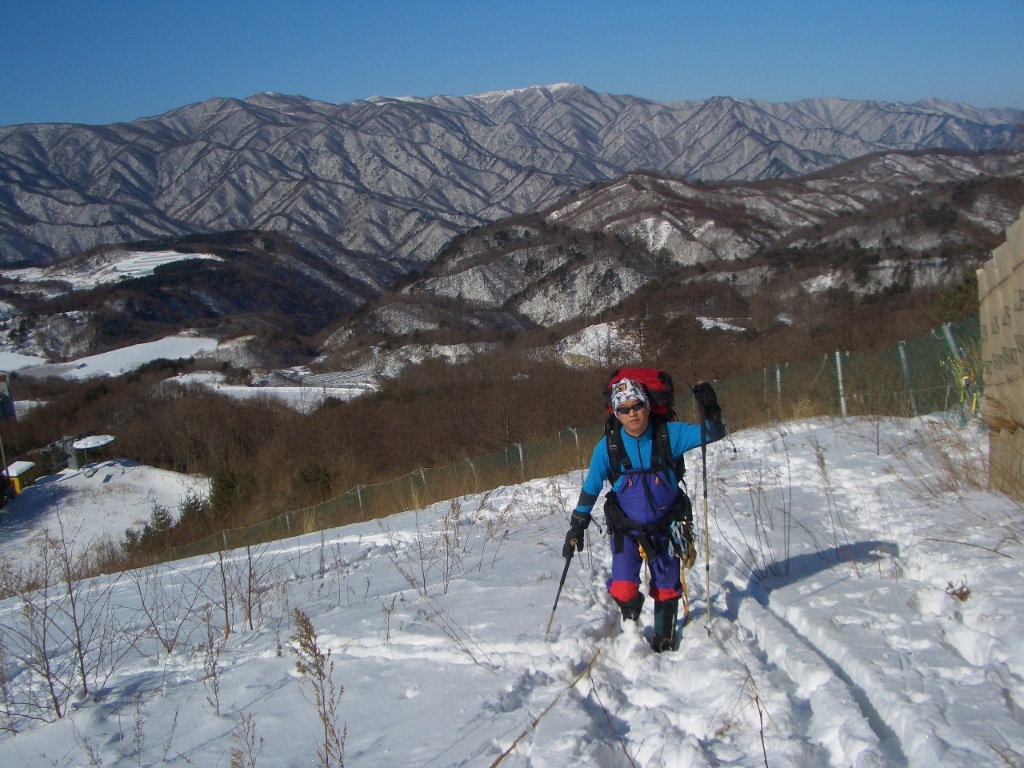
[[103, 61]]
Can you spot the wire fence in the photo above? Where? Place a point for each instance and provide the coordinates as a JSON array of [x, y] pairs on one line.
[[932, 373], [925, 375]]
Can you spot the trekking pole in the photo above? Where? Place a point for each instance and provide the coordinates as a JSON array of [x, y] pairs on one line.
[[686, 595], [704, 483], [561, 583]]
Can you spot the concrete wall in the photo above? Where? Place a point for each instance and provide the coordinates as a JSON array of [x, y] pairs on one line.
[[1001, 290]]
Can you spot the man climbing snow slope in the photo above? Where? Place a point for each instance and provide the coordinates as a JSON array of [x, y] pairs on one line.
[[649, 515]]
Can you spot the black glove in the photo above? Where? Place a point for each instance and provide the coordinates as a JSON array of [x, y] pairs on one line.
[[574, 538], [707, 401]]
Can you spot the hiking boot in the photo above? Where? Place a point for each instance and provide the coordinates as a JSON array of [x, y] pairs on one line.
[[660, 644], [664, 637], [631, 608]]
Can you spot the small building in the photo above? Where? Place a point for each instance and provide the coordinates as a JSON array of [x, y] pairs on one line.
[[22, 474]]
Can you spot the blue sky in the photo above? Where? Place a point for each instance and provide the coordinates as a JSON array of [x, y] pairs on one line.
[[103, 61]]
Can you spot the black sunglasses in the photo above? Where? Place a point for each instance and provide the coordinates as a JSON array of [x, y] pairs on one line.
[[634, 408]]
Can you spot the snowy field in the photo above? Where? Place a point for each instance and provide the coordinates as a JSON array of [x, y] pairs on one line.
[[304, 397], [865, 611], [101, 269], [123, 360], [99, 501]]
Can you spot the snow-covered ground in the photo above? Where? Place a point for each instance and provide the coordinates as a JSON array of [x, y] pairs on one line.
[[101, 500], [865, 611], [304, 397], [864, 593], [124, 360]]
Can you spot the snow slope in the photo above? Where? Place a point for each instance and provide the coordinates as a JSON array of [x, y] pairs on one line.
[[126, 359], [101, 500], [102, 268], [865, 611]]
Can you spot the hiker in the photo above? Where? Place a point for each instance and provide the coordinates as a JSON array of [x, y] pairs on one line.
[[645, 500]]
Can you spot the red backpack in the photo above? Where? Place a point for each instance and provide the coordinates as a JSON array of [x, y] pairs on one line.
[[660, 390]]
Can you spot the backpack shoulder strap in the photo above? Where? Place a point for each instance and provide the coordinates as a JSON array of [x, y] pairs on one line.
[[661, 456], [664, 450], [617, 456]]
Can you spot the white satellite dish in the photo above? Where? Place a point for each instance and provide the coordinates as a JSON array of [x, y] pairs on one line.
[[93, 441]]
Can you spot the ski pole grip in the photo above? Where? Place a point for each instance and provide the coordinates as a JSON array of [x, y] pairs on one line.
[[700, 409], [707, 401]]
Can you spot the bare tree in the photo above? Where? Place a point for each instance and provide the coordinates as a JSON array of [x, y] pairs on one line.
[[34, 637], [66, 632], [97, 640], [247, 746], [9, 713], [253, 581], [225, 591], [212, 649], [167, 600]]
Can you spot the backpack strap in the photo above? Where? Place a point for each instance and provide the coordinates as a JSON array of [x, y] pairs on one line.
[[661, 454], [617, 456]]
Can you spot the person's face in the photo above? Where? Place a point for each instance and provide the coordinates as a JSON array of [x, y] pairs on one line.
[[635, 418]]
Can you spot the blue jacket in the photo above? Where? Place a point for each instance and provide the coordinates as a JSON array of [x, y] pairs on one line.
[[682, 438]]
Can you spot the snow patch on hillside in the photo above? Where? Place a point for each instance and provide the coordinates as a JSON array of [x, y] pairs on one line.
[[127, 359], [107, 267]]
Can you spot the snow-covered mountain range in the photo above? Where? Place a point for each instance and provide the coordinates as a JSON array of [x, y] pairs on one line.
[[863, 226], [362, 223], [388, 181]]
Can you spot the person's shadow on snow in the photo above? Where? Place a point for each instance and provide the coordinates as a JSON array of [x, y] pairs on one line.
[[787, 571]]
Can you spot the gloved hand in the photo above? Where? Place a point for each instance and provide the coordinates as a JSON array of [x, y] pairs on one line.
[[707, 401], [574, 538]]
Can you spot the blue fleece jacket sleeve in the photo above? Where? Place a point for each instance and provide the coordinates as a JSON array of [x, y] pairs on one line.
[[597, 473], [685, 437]]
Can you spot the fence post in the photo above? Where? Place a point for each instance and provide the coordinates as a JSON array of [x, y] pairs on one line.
[[954, 354], [907, 378], [839, 378], [950, 340], [778, 386]]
